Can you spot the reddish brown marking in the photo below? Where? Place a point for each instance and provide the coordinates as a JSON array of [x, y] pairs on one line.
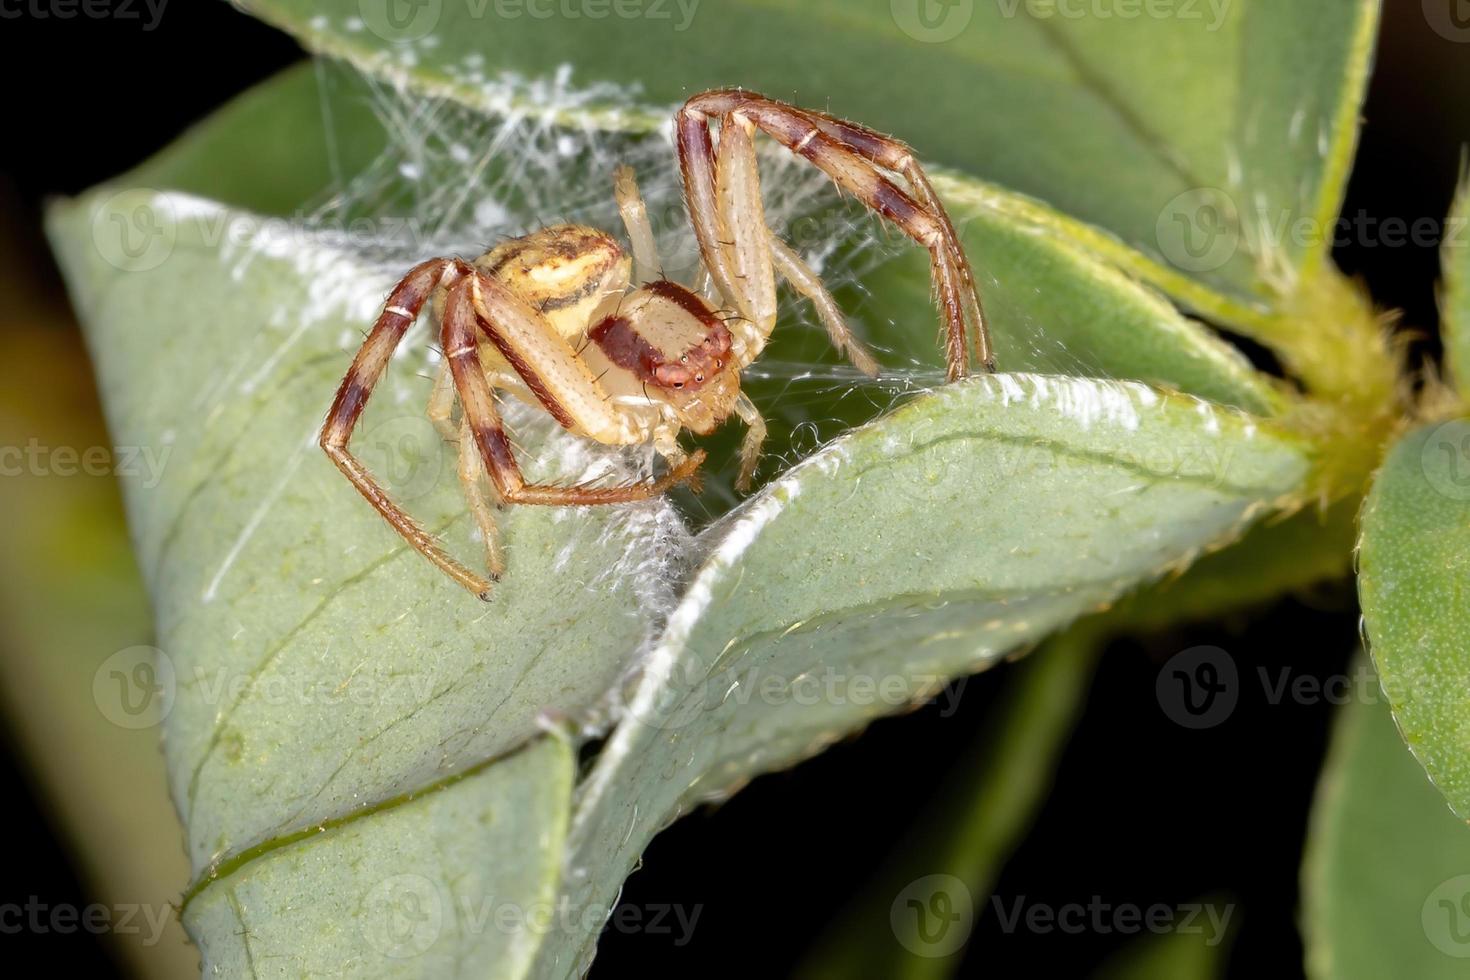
[[893, 203], [695, 142], [496, 449], [628, 349], [692, 304], [625, 347], [348, 405]]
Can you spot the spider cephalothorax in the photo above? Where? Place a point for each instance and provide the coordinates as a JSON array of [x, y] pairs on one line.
[[569, 322]]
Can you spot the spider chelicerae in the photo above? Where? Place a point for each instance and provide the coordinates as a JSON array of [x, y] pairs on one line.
[[565, 320]]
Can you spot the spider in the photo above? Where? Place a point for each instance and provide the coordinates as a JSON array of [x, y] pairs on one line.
[[567, 321]]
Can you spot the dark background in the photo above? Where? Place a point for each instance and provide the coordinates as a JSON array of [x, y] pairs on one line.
[[1143, 810]]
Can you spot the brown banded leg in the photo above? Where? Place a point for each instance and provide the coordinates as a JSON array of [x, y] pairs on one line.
[[402, 308], [854, 168], [471, 307], [750, 255], [898, 157]]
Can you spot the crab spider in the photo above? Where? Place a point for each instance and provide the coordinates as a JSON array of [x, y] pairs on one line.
[[567, 321]]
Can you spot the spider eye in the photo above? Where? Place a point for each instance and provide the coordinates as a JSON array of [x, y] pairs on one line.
[[678, 384], [699, 379]]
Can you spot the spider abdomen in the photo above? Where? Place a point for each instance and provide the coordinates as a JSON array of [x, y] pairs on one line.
[[565, 271]]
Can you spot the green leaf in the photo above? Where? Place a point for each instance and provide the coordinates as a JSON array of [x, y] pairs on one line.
[[1414, 579], [1118, 121], [972, 521], [411, 892], [1274, 558], [970, 828], [321, 665], [1454, 311], [1386, 876]]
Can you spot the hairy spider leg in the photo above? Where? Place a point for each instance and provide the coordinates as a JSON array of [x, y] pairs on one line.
[[898, 157], [806, 282], [401, 310], [750, 446], [646, 264], [851, 157], [471, 472]]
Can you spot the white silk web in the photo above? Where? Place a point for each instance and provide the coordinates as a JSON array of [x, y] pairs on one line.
[[455, 180]]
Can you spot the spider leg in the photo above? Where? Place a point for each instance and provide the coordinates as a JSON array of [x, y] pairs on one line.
[[441, 403], [746, 241], [404, 304], [750, 446], [531, 348], [809, 284], [896, 156], [852, 157], [722, 192], [470, 473], [646, 264]]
